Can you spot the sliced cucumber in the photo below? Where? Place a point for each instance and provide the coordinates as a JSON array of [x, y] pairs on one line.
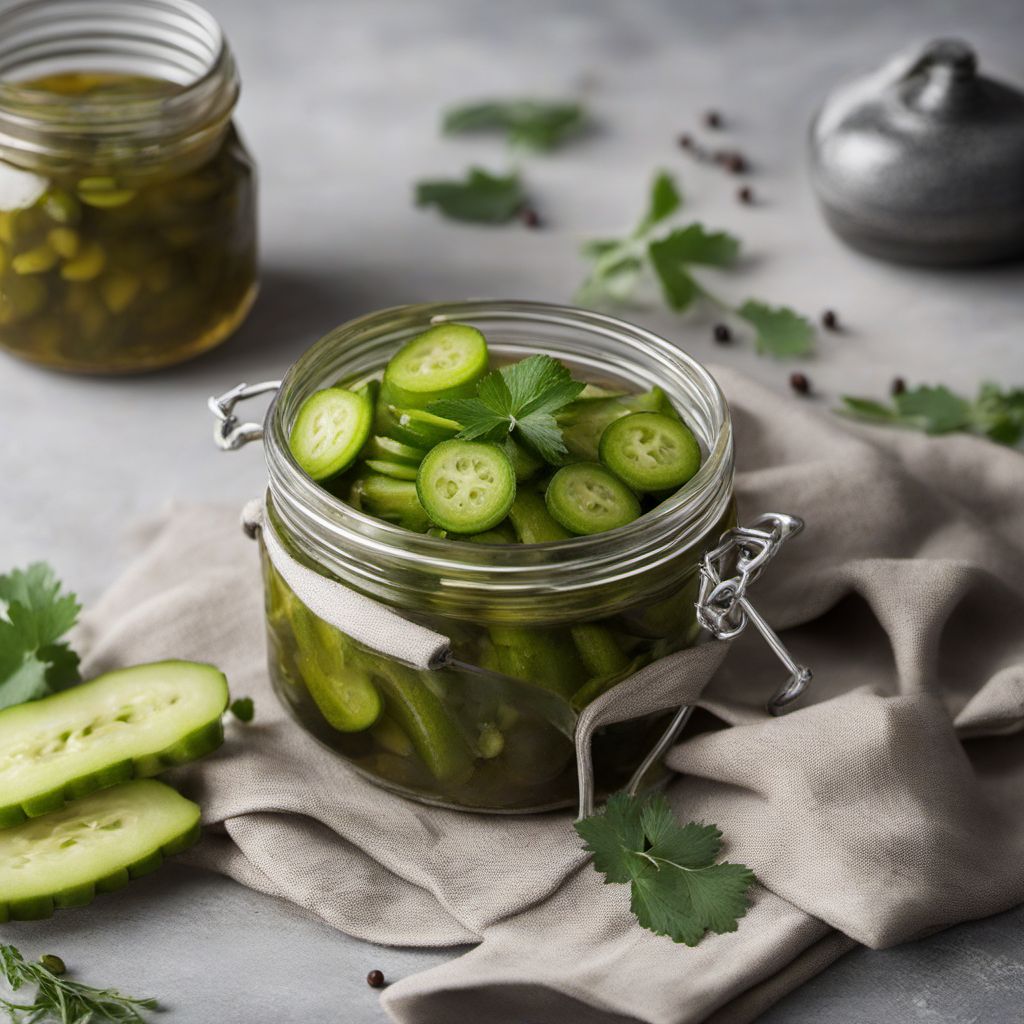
[[586, 498], [525, 462], [532, 521], [416, 427], [650, 451], [443, 362], [466, 486], [382, 447], [395, 470], [584, 421], [599, 649], [330, 429], [96, 844], [130, 723], [394, 501]]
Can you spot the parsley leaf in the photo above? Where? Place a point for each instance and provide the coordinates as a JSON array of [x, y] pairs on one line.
[[521, 398], [676, 888], [534, 124], [665, 199], [996, 414], [482, 197], [243, 708], [59, 999], [34, 615], [780, 331]]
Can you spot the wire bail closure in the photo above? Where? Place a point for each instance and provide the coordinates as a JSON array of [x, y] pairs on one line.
[[228, 434]]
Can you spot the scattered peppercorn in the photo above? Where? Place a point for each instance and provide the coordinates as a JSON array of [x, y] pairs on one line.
[[530, 217], [722, 334], [685, 141], [735, 163], [745, 195], [830, 320], [375, 979], [53, 963], [899, 385], [799, 383], [713, 119]]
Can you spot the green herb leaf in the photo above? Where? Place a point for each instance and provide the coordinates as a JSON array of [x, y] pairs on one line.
[[678, 287], [676, 888], [695, 244], [34, 615], [1000, 414], [59, 999], [665, 199], [243, 708], [781, 332], [520, 397], [534, 124], [935, 410], [482, 197]]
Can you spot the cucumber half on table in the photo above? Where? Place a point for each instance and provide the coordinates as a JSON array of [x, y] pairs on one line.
[[127, 724], [96, 844]]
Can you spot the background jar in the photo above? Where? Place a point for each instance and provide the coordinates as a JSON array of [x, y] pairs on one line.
[[127, 201], [538, 631]]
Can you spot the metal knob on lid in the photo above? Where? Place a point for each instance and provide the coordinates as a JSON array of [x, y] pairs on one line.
[[922, 161]]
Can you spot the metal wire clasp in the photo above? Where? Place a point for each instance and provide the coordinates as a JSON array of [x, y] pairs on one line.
[[727, 571], [229, 434]]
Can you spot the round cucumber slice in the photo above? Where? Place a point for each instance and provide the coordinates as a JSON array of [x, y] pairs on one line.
[[443, 362], [330, 429], [650, 451], [466, 486], [586, 498], [96, 844], [126, 724]]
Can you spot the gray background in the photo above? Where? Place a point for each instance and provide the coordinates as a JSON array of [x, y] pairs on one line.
[[340, 108]]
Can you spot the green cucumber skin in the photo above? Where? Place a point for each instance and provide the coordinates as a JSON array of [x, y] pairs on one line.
[[40, 907], [198, 743]]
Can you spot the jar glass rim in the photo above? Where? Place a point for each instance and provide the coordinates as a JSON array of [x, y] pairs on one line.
[[320, 524]]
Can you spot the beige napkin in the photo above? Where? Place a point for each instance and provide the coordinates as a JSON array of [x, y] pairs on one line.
[[890, 804]]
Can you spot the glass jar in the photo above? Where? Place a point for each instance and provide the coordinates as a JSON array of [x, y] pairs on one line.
[[538, 631], [127, 200]]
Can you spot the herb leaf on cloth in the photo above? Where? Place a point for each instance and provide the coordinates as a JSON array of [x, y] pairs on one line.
[[243, 708], [34, 615], [676, 887], [482, 197], [534, 124], [520, 397]]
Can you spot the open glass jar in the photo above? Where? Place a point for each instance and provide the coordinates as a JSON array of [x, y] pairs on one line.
[[127, 201], [537, 632]]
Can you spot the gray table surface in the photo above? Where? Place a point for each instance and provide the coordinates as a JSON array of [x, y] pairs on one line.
[[340, 108]]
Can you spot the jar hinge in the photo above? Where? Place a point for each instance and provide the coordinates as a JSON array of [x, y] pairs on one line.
[[229, 435]]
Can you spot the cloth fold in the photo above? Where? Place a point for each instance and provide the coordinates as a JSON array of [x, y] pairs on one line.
[[889, 804]]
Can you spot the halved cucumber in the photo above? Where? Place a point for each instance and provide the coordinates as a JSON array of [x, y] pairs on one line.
[[466, 486], [532, 521], [394, 501], [393, 469], [584, 421], [382, 447], [96, 844], [650, 451], [330, 429], [416, 427], [586, 498], [445, 361], [126, 724]]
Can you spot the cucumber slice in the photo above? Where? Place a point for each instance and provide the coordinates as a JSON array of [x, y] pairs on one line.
[[416, 427], [96, 844], [525, 462], [586, 498], [382, 447], [330, 429], [443, 362], [584, 421], [466, 486], [394, 501], [532, 521], [599, 649], [126, 724], [395, 470], [650, 451]]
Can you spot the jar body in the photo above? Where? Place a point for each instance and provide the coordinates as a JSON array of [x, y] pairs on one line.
[[537, 632], [127, 199]]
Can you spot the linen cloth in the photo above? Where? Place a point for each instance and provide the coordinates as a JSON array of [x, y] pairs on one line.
[[888, 805]]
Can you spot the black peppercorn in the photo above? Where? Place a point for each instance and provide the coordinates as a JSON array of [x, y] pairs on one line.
[[375, 979], [735, 163], [713, 119], [899, 385], [799, 383], [530, 217], [722, 334], [685, 141], [830, 320], [745, 195]]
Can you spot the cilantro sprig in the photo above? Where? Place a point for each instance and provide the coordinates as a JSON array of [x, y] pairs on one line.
[[994, 413], [481, 197], [617, 266], [34, 615], [519, 399], [677, 888], [60, 999], [529, 123]]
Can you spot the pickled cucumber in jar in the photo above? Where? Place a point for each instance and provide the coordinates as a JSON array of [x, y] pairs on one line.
[[123, 257]]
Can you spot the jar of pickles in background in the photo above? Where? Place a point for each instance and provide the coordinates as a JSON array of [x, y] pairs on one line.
[[127, 200]]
